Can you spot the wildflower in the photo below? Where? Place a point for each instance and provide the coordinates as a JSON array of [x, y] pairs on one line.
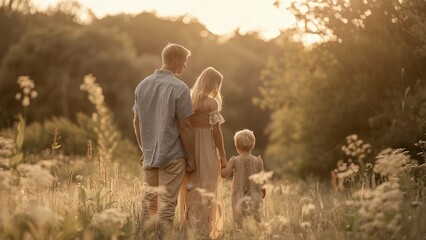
[[420, 144], [189, 186], [354, 167], [79, 178], [6, 146], [242, 202], [206, 196], [26, 90], [34, 174], [352, 137], [268, 187], [109, 220], [23, 81], [366, 146], [307, 209], [27, 85], [341, 166], [275, 225], [6, 178], [33, 94], [276, 189], [88, 80], [379, 209], [26, 101], [391, 162], [357, 151], [18, 96], [262, 177], [44, 217], [89, 150], [155, 190], [104, 128]]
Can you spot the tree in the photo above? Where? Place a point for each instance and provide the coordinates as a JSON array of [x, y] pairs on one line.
[[350, 83], [57, 58], [12, 6]]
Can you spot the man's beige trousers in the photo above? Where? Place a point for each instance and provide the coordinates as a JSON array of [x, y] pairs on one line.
[[161, 186]]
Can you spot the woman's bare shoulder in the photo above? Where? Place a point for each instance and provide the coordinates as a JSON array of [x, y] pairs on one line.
[[211, 104]]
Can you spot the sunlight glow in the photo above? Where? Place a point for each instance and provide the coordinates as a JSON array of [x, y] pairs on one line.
[[219, 16]]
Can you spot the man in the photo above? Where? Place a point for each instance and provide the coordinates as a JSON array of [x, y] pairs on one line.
[[164, 134]]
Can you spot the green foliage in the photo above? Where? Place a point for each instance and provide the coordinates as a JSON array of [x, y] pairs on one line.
[[368, 78], [73, 137], [57, 57]]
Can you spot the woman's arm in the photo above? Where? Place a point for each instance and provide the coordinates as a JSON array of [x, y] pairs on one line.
[[218, 140], [217, 132]]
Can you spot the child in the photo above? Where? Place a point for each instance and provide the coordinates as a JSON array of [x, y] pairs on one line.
[[246, 195]]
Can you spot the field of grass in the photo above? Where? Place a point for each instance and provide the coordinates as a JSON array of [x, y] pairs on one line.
[[38, 204], [52, 196]]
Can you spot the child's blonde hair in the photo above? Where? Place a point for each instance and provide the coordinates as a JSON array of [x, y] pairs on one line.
[[208, 84], [174, 52], [244, 140]]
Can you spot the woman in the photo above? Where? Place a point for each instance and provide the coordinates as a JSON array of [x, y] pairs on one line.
[[200, 201]]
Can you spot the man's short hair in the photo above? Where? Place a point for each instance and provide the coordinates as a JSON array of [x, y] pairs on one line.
[[244, 140], [173, 52]]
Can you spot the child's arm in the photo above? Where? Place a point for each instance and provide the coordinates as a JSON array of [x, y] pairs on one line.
[[226, 171]]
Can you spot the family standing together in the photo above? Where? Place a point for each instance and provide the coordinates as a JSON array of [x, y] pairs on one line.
[[183, 156]]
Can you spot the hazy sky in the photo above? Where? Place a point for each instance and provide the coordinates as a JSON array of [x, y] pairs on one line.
[[219, 16]]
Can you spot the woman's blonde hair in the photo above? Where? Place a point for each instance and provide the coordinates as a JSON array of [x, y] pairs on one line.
[[208, 84], [244, 140]]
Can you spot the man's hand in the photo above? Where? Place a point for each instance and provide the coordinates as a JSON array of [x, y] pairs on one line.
[[141, 160], [190, 165]]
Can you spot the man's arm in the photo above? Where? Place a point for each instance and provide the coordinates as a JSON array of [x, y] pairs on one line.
[[187, 137], [137, 128]]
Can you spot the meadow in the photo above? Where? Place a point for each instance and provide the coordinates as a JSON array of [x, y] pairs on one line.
[[340, 123], [51, 195]]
